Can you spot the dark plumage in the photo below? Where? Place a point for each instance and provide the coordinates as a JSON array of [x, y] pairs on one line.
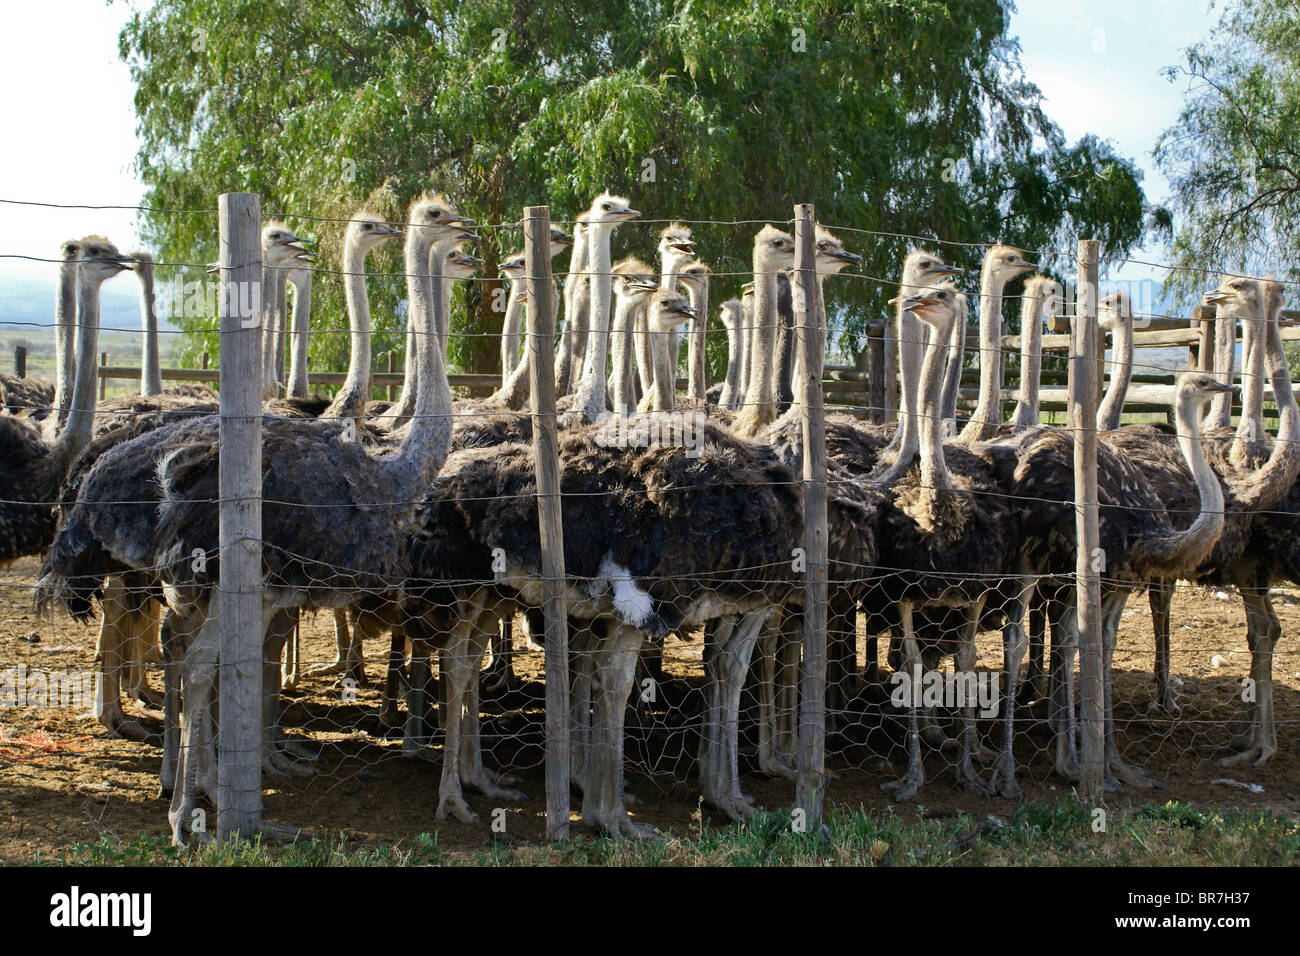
[[32, 397]]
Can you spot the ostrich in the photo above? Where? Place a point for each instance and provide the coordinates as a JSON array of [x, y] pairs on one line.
[[516, 269], [633, 284], [33, 469], [676, 247], [1040, 299], [695, 276], [1001, 264], [280, 251], [577, 305], [325, 545], [773, 253]]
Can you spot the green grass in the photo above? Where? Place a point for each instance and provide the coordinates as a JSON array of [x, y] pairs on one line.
[[1037, 834]]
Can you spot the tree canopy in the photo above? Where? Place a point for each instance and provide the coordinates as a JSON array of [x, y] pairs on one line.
[[1233, 157], [903, 118]]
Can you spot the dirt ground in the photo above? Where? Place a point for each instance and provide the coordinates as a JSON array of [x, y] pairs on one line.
[[63, 781]]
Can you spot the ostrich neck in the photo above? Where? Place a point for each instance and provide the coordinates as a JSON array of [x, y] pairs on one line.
[[273, 283], [65, 316], [350, 402], [1121, 373], [625, 311], [934, 468], [952, 375], [988, 411], [1271, 482], [1188, 548], [510, 327], [696, 345], [746, 337], [1031, 361], [728, 396], [1225, 367], [150, 372], [75, 434], [573, 345], [591, 391], [430, 283], [912, 341], [760, 398], [1250, 431], [302, 328], [424, 448]]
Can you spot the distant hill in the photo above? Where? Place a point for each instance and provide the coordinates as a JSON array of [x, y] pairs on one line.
[[24, 301]]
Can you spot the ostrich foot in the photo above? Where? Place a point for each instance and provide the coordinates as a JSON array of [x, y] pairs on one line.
[[1255, 756], [776, 767], [1004, 769], [905, 790], [326, 670], [618, 824], [148, 696], [971, 780], [482, 782], [140, 729], [454, 804], [281, 766], [1166, 703], [738, 808], [936, 738], [300, 749], [1131, 775], [501, 779]]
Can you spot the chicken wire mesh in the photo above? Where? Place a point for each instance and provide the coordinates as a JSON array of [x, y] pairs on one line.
[[361, 711]]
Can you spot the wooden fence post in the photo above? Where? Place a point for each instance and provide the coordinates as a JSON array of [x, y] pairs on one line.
[[541, 366], [890, 370], [1090, 560], [876, 383], [810, 784], [205, 358], [239, 599], [20, 361], [392, 367], [103, 379]]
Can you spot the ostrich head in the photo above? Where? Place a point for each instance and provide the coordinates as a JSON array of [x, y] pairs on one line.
[[936, 307], [1111, 310], [831, 255], [560, 240], [143, 260], [668, 310], [675, 246], [435, 213], [460, 264], [514, 266], [633, 269], [694, 275], [70, 251], [773, 250], [1193, 389], [367, 230], [923, 268], [1050, 291], [731, 313], [100, 259], [607, 211], [1238, 295], [281, 247], [1006, 262]]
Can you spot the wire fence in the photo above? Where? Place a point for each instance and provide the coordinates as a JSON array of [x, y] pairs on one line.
[[401, 669]]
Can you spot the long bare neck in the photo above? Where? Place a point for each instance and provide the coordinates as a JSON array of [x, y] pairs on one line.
[[150, 371], [298, 358], [76, 431], [697, 373], [577, 311], [510, 328], [1031, 361], [424, 447], [351, 400], [1179, 552], [1247, 447], [65, 317], [734, 358], [1121, 373], [988, 411], [746, 349], [622, 396], [273, 284], [952, 374], [912, 338], [1225, 368], [1273, 480], [430, 281], [934, 466], [760, 396], [591, 391]]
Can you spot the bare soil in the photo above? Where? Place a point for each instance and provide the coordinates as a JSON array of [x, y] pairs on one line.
[[62, 780]]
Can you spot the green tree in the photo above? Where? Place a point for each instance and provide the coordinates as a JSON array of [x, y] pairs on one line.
[[1233, 156], [904, 118]]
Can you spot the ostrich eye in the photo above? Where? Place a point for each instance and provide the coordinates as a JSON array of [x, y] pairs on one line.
[[605, 206]]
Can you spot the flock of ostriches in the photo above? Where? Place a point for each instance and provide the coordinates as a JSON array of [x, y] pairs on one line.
[[417, 519]]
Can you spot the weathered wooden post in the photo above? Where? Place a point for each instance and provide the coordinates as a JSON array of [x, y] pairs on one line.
[[876, 384], [541, 366], [205, 358], [810, 784], [20, 361], [392, 367], [1090, 562], [239, 599], [103, 379]]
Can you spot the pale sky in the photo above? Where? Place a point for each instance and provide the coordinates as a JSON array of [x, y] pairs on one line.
[[72, 128]]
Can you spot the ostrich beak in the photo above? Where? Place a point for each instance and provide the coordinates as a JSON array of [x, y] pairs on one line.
[[468, 237], [949, 271], [463, 221], [845, 256], [212, 268], [561, 237], [629, 214], [389, 231], [915, 303], [1215, 296], [1222, 387]]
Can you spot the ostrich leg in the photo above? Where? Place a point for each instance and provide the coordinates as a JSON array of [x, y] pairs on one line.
[[727, 665], [1065, 641], [581, 647], [500, 678], [1262, 630], [147, 650], [906, 789], [279, 755], [603, 806], [348, 657], [115, 640], [772, 759], [964, 665], [198, 673], [171, 651], [1117, 771], [1160, 595], [1013, 652], [390, 716], [1034, 673], [842, 653]]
